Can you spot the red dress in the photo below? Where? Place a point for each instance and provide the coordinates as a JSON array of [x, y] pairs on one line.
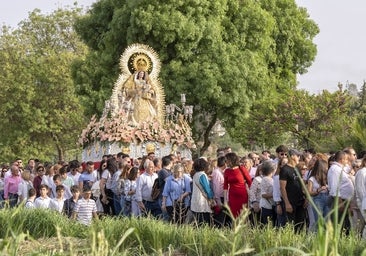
[[235, 181]]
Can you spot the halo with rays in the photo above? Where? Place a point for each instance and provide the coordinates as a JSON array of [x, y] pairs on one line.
[[136, 54]]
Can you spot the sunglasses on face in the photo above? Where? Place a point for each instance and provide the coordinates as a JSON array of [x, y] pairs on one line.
[[283, 154]]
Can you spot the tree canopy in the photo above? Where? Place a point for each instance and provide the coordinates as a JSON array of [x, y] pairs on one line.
[[317, 121], [223, 54], [41, 113]]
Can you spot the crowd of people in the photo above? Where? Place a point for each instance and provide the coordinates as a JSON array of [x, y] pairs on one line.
[[290, 186]]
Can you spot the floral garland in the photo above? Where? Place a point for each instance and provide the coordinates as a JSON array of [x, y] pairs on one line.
[[118, 129]]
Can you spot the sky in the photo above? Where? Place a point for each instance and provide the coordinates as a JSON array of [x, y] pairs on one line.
[[340, 43]]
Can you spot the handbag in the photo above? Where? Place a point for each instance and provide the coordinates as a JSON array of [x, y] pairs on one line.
[[156, 190]]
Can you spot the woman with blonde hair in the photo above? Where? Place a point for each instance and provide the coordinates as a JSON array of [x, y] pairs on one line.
[[176, 195], [24, 186]]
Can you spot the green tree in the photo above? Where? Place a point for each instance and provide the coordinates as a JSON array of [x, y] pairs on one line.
[[40, 112], [321, 121], [357, 136], [223, 54]]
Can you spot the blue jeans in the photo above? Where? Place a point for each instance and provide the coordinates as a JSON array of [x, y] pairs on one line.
[[13, 200], [124, 209], [117, 204], [165, 216], [2, 201], [281, 219], [153, 208], [321, 202]]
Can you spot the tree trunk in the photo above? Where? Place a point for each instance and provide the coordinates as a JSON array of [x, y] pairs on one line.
[[206, 140], [60, 151]]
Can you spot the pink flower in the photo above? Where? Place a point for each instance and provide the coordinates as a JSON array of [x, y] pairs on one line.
[[117, 129]]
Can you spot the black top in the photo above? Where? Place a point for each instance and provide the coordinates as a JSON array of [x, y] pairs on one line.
[[162, 175], [293, 186]]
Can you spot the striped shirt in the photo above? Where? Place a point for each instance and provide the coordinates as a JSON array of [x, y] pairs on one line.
[[84, 209]]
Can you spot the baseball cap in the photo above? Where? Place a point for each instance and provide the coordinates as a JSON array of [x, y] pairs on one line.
[[294, 152]]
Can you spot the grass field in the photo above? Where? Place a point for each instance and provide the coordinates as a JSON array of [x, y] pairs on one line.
[[42, 232]]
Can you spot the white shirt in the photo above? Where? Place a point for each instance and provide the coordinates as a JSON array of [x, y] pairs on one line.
[[74, 177], [107, 176], [47, 180], [67, 191], [360, 186], [57, 204], [252, 172], [339, 182], [29, 204], [42, 202], [144, 185], [266, 188], [23, 189], [116, 183], [316, 184], [276, 188], [255, 190]]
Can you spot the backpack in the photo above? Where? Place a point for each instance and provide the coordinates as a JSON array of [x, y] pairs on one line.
[[156, 190]]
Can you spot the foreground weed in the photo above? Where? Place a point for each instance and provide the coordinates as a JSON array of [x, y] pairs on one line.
[[235, 236], [124, 236], [11, 245]]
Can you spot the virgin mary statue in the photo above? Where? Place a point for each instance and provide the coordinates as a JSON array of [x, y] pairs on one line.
[[138, 92]]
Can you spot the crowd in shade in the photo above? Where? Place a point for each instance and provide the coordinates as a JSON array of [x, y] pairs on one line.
[[304, 188]]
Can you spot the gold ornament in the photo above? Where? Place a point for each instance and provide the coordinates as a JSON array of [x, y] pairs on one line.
[[141, 62], [126, 150], [150, 148]]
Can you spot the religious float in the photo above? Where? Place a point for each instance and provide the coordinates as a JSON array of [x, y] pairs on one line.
[[135, 119]]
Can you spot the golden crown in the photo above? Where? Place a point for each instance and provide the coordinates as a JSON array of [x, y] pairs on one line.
[[150, 148], [141, 63]]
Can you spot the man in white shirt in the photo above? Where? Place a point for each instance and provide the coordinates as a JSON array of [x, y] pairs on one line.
[[341, 188], [144, 185]]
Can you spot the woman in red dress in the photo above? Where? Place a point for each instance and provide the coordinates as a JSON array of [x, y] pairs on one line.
[[236, 181]]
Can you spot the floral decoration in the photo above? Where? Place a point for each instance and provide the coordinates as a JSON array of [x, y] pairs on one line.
[[118, 129]]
